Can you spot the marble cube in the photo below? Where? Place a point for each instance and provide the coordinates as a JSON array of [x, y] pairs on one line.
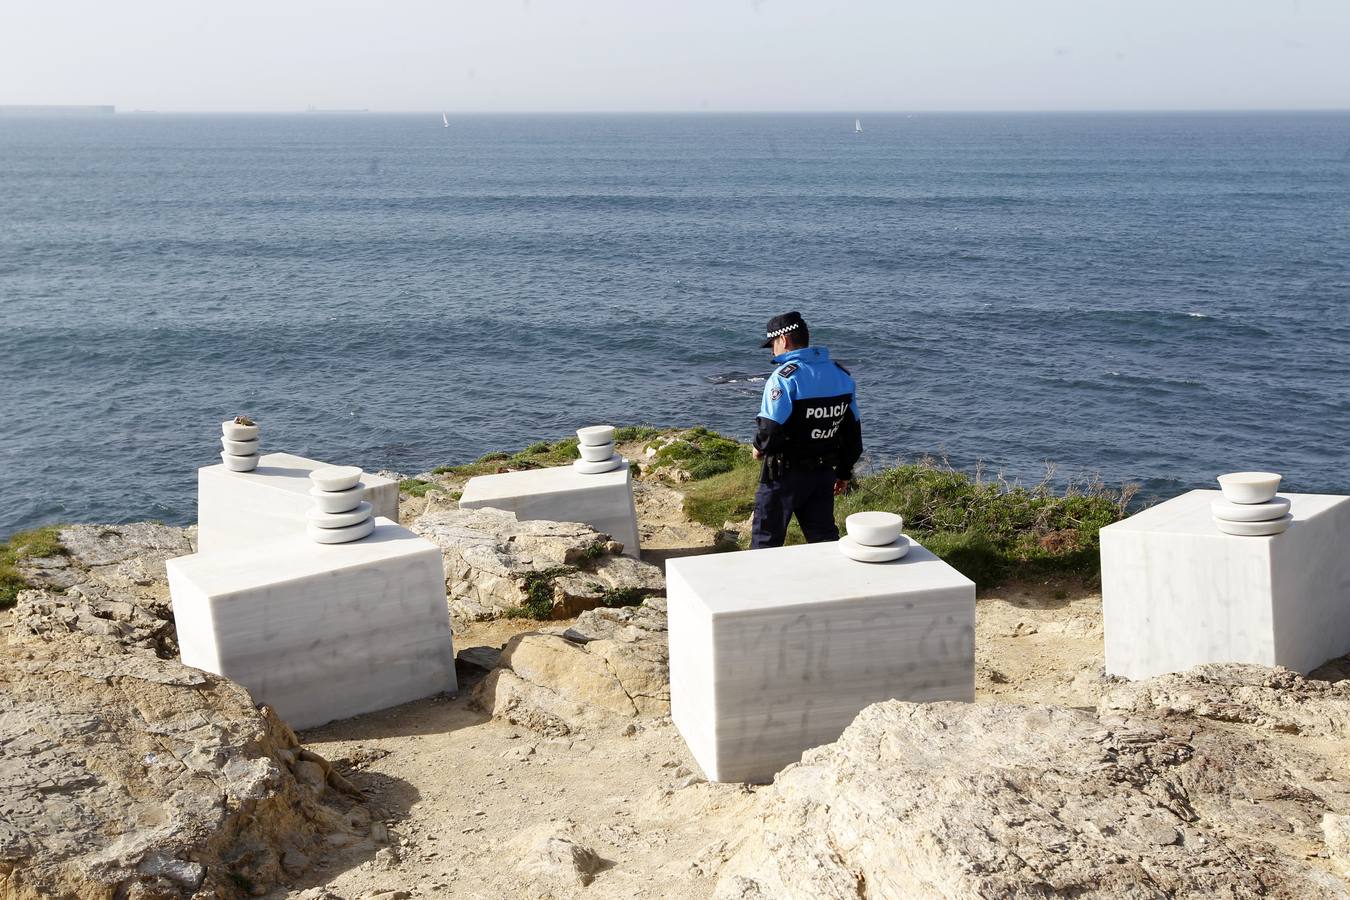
[[317, 631], [237, 510], [775, 651], [561, 494], [1178, 592]]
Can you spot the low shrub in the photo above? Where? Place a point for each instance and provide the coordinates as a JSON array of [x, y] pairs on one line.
[[990, 531], [539, 591]]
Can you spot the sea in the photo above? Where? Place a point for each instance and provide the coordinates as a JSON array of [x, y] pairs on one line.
[[1146, 298]]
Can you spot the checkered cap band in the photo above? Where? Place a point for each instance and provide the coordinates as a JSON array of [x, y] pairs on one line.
[[782, 331]]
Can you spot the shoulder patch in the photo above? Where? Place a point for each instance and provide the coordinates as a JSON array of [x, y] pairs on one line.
[[844, 367], [788, 370]]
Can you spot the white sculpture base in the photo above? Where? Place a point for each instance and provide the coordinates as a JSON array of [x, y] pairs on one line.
[[1177, 592], [773, 652], [238, 510], [319, 632], [561, 494]]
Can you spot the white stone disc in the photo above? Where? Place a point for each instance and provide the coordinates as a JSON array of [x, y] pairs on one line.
[[596, 435], [586, 467], [240, 448], [1255, 529], [336, 478], [338, 501], [1250, 512], [356, 516], [854, 550], [239, 463], [596, 454], [341, 535]]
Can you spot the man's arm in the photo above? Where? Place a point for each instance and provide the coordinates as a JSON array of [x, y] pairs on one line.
[[774, 411], [850, 441]]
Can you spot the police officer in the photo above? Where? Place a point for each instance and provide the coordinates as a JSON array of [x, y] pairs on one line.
[[808, 436]]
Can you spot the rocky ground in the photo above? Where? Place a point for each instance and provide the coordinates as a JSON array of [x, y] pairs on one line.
[[556, 771]]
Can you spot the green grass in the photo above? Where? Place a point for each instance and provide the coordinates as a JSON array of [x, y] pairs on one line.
[[989, 531], [541, 454], [416, 487], [35, 544], [704, 453], [627, 433], [536, 456], [726, 497]]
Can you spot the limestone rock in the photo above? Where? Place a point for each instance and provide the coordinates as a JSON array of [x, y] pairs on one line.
[[1274, 699], [617, 581], [491, 559], [1336, 834], [971, 801], [130, 775], [124, 773], [110, 584], [612, 664], [552, 853]]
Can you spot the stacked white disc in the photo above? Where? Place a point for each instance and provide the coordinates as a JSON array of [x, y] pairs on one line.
[[241, 445], [597, 451], [874, 537], [340, 515], [1249, 506]]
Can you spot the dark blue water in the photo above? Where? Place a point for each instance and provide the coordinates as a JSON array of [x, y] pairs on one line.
[[1156, 298]]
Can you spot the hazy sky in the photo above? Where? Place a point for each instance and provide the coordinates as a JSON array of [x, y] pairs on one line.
[[556, 55]]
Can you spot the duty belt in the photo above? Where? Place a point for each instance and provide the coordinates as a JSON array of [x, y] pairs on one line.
[[810, 462]]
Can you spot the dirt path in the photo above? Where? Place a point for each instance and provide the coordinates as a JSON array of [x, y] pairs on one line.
[[466, 798]]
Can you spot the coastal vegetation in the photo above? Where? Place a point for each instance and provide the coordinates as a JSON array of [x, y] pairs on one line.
[[416, 487], [35, 544], [542, 454], [704, 453], [990, 530]]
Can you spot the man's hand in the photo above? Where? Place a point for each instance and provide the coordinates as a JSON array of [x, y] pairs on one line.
[[841, 487], [754, 451]]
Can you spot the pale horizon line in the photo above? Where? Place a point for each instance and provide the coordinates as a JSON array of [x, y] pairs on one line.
[[709, 112]]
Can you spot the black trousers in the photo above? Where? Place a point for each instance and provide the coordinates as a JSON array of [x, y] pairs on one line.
[[806, 493]]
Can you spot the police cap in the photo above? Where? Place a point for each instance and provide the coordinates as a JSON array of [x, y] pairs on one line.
[[781, 325]]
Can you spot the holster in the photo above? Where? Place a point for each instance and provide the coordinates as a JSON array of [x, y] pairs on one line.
[[773, 467], [776, 465]]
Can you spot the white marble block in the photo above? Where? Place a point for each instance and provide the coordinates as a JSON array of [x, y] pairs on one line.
[[773, 652], [319, 632], [561, 494], [237, 510], [1178, 592]]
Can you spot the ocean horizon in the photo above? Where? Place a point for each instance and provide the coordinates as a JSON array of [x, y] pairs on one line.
[[1146, 297]]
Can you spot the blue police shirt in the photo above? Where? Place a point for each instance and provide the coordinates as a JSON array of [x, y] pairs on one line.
[[813, 375], [810, 410]]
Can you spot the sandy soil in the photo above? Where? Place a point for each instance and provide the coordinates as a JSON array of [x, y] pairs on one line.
[[464, 796]]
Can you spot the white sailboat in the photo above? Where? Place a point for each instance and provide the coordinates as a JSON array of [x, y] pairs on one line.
[[445, 119], [857, 126]]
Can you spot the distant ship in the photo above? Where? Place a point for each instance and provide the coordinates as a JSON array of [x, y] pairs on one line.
[[857, 126], [445, 119]]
